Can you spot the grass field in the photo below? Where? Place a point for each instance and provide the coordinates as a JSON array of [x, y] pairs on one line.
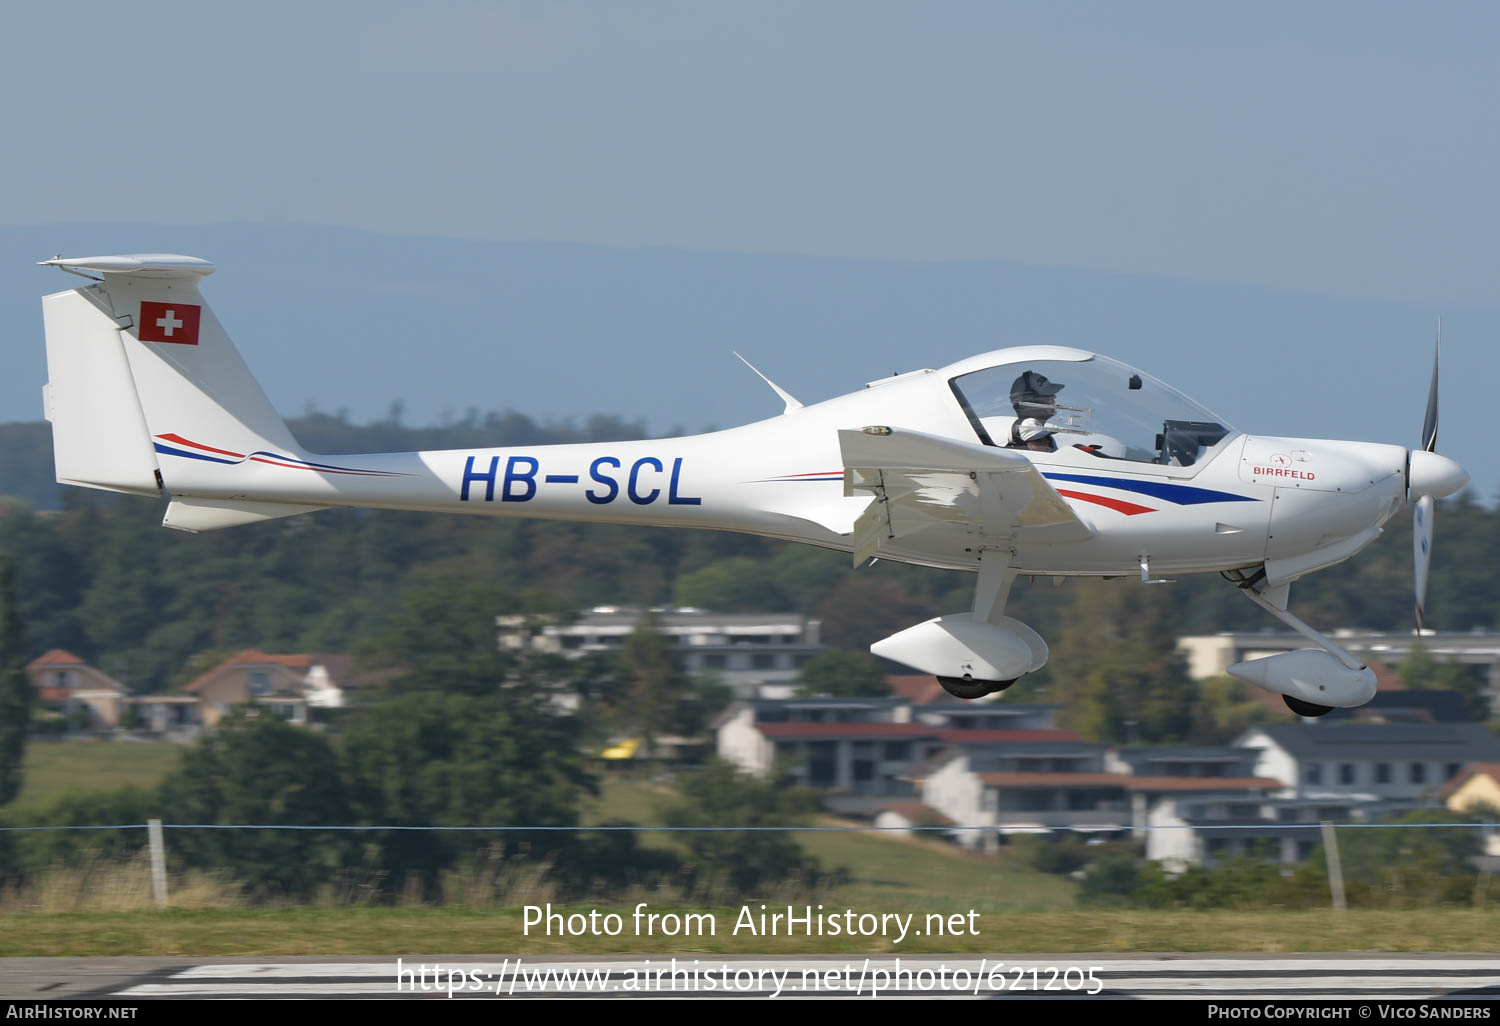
[[56, 769], [886, 871], [1019, 910], [410, 931]]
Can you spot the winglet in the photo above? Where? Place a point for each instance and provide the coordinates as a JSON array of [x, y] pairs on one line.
[[786, 397]]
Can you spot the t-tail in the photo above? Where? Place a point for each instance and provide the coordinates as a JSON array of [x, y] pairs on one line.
[[140, 369]]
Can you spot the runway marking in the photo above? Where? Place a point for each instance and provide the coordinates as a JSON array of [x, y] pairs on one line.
[[1252, 978]]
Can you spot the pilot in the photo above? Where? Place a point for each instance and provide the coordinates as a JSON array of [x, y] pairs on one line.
[[1035, 401]]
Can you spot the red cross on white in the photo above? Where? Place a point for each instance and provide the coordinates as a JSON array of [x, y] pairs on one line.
[[169, 322]]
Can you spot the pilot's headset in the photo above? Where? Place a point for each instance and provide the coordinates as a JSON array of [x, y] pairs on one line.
[[1034, 397]]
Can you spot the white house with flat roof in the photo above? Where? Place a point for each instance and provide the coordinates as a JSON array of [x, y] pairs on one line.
[[1367, 761], [745, 650]]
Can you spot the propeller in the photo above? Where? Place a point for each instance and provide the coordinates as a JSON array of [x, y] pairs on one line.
[[1429, 477]]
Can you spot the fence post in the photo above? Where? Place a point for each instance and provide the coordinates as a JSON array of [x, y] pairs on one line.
[[158, 863], [1335, 866]]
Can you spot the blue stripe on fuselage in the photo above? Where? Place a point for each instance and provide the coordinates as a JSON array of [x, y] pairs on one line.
[[193, 455], [1182, 495]]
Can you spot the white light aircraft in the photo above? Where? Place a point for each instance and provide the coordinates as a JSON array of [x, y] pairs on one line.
[[1037, 460]]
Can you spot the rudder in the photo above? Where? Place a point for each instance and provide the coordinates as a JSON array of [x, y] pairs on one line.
[[138, 367]]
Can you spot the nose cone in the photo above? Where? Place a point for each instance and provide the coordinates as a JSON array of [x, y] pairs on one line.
[[1427, 473]]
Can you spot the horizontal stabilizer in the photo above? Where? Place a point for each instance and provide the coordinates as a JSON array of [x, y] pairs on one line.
[[197, 515], [146, 265]]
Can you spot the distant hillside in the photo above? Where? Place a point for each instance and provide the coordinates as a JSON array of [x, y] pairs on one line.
[[26, 464]]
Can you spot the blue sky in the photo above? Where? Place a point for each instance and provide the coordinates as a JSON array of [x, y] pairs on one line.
[[890, 176], [1337, 148]]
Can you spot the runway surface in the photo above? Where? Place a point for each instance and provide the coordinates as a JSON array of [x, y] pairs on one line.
[[1071, 976]]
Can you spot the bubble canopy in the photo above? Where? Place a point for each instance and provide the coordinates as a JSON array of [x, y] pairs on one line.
[[1096, 407]]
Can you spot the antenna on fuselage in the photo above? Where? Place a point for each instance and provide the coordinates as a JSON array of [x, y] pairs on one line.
[[791, 402]]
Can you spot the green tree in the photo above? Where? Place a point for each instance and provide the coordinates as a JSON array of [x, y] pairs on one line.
[[700, 704], [16, 694], [733, 863], [1226, 708], [864, 608], [735, 585], [444, 638], [654, 690], [843, 675], [458, 760], [43, 850], [1116, 668], [1421, 671], [256, 769], [1409, 865]]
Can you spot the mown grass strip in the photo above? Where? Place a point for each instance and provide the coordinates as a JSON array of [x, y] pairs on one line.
[[419, 930]]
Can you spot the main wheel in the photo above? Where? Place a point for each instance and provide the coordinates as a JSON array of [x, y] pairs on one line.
[[958, 687], [1302, 708]]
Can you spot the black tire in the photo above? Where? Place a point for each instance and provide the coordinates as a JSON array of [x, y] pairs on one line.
[[999, 686], [1302, 708], [968, 690]]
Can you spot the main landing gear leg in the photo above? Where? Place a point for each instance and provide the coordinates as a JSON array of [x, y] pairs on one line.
[[1274, 601], [990, 593]]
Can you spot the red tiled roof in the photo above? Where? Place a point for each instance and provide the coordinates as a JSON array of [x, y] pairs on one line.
[[1046, 781], [1386, 679], [916, 688], [1202, 784], [1473, 769], [846, 730], [56, 657], [988, 737], [254, 657], [913, 730]]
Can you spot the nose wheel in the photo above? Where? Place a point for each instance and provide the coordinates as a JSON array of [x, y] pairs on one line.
[[961, 687]]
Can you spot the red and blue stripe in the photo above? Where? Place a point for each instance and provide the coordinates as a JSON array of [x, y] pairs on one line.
[[1166, 491], [211, 454]]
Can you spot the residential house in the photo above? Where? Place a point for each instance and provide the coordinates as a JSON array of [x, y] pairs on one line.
[[957, 714], [70, 686], [1074, 785], [1202, 830], [1371, 762], [1406, 706], [860, 751], [1475, 791], [748, 651], [287, 685], [173, 717]]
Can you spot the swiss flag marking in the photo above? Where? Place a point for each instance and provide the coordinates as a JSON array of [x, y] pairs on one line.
[[169, 322]]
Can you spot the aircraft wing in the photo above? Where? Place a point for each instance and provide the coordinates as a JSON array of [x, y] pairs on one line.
[[927, 483]]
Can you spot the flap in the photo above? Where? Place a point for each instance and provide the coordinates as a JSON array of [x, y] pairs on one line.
[[923, 482]]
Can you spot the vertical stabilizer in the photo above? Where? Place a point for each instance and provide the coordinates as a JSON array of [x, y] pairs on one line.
[[140, 367]]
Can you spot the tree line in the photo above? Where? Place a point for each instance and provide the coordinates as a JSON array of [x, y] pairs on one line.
[[459, 734], [99, 577]]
